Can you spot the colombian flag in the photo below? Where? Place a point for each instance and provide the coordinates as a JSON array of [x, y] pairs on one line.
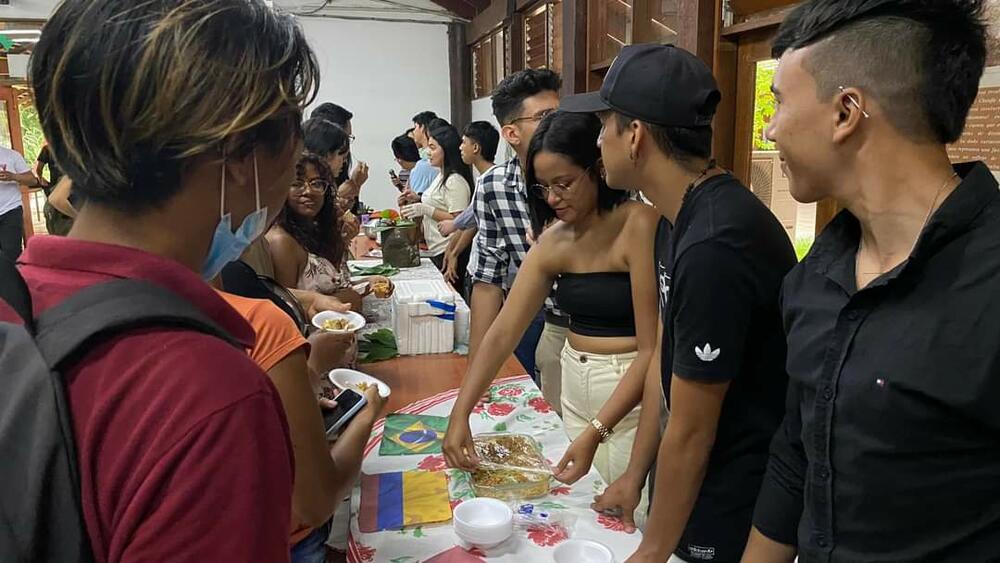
[[390, 501]]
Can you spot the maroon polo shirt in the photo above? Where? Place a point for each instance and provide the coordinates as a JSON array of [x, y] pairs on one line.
[[182, 440]]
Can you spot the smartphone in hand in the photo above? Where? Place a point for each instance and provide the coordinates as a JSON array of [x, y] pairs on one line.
[[349, 404], [395, 180]]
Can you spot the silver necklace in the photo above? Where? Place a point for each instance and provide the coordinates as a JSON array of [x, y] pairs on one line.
[[930, 212]]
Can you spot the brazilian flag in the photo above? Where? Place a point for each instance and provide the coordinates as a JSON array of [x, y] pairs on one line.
[[413, 434]]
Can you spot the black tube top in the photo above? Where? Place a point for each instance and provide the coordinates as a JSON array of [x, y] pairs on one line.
[[598, 304]]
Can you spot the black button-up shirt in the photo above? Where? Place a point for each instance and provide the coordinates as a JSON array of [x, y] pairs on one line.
[[890, 450]]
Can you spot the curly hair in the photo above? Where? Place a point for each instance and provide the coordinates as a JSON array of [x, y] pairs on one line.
[[320, 235]]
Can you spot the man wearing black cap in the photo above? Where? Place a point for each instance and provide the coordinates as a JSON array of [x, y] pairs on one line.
[[719, 270]]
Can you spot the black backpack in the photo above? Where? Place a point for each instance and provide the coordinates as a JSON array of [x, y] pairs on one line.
[[40, 511], [240, 279]]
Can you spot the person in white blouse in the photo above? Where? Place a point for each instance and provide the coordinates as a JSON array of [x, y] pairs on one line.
[[448, 195]]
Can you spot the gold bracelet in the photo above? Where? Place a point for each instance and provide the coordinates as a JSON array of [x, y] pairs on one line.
[[602, 430]]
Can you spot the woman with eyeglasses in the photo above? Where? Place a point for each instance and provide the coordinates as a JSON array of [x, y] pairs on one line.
[[598, 248], [306, 244], [448, 195]]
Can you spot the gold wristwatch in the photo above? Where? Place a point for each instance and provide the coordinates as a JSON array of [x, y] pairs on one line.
[[602, 430]]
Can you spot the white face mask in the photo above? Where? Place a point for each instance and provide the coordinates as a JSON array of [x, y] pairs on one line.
[[227, 245]]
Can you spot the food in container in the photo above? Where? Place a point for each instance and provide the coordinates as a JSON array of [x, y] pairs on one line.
[[332, 321], [336, 324], [512, 467], [360, 382], [382, 289]]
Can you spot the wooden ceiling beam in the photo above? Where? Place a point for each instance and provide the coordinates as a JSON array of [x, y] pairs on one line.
[[462, 8]]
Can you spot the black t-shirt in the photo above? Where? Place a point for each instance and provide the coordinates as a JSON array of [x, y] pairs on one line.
[[55, 173], [720, 272]]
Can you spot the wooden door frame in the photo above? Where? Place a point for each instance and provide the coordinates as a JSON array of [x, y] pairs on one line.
[[739, 50], [7, 94], [752, 48]]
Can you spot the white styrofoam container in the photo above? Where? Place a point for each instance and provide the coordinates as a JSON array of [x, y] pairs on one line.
[[419, 327], [463, 318]]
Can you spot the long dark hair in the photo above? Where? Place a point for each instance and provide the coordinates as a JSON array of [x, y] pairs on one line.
[[321, 235], [323, 137], [574, 136], [451, 143]]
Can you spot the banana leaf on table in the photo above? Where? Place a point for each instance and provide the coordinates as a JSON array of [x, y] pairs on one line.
[[377, 346], [379, 270]]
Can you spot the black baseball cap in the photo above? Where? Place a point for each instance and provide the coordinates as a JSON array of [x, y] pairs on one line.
[[659, 84]]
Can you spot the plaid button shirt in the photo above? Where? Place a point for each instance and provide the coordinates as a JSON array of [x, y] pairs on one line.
[[502, 213]]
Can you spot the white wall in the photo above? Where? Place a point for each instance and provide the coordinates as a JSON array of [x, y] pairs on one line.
[[28, 9], [384, 73]]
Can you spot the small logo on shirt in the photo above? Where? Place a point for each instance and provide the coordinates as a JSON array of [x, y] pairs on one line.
[[707, 354], [702, 553], [664, 284]]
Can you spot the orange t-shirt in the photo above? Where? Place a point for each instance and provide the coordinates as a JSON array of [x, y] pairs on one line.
[[277, 337]]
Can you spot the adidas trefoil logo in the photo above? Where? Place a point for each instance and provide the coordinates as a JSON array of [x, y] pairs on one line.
[[707, 354]]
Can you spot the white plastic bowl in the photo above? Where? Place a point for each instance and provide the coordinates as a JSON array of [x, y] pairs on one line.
[[582, 551], [357, 322], [483, 522], [349, 379]]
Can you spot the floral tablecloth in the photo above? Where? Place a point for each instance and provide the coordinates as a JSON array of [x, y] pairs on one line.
[[515, 405]]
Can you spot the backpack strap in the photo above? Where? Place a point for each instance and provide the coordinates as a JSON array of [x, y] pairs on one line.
[[14, 291], [114, 307]]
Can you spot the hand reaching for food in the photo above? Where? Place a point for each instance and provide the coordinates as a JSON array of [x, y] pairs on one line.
[[459, 449]]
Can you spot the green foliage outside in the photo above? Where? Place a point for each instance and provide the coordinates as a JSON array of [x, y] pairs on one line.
[[31, 131], [802, 247], [764, 105]]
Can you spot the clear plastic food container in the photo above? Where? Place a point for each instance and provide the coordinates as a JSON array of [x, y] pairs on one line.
[[512, 467]]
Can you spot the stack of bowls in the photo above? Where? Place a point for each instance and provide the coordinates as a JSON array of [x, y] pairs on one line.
[[483, 522]]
